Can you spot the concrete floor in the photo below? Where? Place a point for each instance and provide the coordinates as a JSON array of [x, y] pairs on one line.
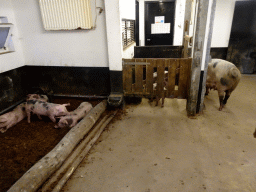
[[154, 149]]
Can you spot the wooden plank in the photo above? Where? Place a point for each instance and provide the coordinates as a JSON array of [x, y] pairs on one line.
[[172, 66], [149, 75], [127, 76], [160, 78], [182, 79], [139, 76]]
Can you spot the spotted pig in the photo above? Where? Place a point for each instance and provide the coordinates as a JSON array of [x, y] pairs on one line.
[[37, 97], [47, 109], [74, 116], [222, 76]]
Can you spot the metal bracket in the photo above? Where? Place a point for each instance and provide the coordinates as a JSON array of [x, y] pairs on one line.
[[115, 99]]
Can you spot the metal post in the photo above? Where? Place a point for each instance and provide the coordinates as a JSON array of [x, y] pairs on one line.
[[200, 54]]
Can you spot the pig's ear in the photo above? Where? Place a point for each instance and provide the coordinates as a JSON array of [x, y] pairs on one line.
[[68, 104]]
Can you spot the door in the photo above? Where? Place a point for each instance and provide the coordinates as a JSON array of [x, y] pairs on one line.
[[159, 23], [242, 42]]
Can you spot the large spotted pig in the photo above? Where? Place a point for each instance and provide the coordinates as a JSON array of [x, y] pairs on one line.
[[51, 110], [222, 76], [74, 116]]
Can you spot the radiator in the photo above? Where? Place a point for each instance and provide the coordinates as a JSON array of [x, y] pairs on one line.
[[66, 14]]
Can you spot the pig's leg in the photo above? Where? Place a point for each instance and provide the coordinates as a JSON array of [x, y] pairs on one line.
[[157, 99], [39, 117], [221, 97], [52, 117], [207, 90], [227, 95], [162, 102], [28, 114]]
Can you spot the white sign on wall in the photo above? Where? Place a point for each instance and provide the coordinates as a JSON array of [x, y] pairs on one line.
[[160, 28], [159, 19]]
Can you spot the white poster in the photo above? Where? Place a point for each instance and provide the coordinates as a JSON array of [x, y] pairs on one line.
[[160, 28], [159, 19]]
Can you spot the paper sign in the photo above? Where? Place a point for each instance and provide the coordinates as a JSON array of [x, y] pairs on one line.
[[160, 28], [159, 19]]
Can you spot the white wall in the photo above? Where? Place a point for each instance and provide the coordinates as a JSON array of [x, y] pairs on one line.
[[85, 48], [15, 59], [222, 23], [179, 22], [127, 9], [128, 53]]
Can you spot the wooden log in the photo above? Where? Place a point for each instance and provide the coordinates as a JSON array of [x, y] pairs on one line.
[[99, 129], [45, 167], [48, 185]]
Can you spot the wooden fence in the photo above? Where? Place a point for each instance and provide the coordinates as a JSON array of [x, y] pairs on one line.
[[157, 77]]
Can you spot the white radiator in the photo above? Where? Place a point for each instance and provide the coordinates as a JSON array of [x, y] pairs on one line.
[[66, 14]]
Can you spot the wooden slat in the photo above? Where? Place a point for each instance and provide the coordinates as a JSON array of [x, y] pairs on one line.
[[127, 76], [182, 79], [172, 65], [139, 76], [149, 75], [160, 77]]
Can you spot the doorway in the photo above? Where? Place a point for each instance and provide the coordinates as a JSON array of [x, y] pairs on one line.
[[159, 22]]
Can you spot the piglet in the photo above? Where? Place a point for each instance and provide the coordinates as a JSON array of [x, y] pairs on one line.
[[74, 116], [222, 76], [37, 97], [47, 109], [12, 118]]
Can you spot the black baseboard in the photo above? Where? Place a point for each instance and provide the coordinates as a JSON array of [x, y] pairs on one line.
[[116, 81], [70, 80]]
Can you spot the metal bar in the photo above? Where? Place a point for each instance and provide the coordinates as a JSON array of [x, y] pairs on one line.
[[202, 86], [136, 63], [81, 96]]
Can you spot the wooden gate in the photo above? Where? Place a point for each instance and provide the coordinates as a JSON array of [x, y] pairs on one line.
[[157, 77]]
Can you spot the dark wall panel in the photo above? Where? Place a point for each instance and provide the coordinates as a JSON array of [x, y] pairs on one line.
[[70, 80], [16, 84], [13, 87]]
